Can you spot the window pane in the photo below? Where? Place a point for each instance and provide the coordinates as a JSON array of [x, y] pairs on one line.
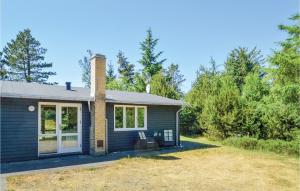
[[48, 119], [118, 117], [130, 117], [70, 141], [141, 117], [168, 135], [48, 144], [69, 119]]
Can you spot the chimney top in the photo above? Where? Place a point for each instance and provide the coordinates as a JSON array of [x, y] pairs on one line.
[[68, 85], [98, 56]]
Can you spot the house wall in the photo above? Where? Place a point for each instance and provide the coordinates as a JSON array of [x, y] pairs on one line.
[[159, 118], [19, 129]]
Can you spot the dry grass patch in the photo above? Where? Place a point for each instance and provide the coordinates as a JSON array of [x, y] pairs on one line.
[[221, 168]]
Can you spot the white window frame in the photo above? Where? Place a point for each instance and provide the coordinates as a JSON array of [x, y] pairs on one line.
[[58, 133], [168, 131], [136, 128]]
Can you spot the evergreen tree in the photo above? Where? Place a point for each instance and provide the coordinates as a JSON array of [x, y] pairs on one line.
[[285, 62], [220, 115], [150, 60], [240, 62], [110, 74], [139, 83], [160, 86], [24, 58], [174, 77], [254, 90], [280, 110], [86, 69], [125, 69], [3, 69]]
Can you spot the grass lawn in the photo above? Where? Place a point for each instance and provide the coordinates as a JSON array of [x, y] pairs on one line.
[[218, 168]]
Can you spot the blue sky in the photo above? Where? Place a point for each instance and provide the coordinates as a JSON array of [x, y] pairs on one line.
[[190, 32]]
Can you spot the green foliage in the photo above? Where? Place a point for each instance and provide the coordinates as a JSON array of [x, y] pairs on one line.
[[205, 85], [188, 121], [139, 83], [125, 69], [254, 89], [119, 84], [221, 111], [160, 86], [150, 60], [3, 69], [240, 62], [280, 112], [289, 148], [248, 99], [110, 74], [285, 62], [174, 77], [86, 69], [24, 60]]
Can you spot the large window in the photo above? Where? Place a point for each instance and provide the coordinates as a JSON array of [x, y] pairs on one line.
[[130, 117]]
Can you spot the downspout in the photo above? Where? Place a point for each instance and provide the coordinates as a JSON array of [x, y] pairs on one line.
[[89, 106], [106, 136], [177, 127]]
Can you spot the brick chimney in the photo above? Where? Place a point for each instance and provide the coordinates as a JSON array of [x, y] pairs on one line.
[[98, 129]]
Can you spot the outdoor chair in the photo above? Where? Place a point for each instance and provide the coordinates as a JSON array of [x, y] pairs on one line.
[[145, 142]]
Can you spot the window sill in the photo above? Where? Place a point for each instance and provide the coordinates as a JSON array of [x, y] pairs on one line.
[[130, 129]]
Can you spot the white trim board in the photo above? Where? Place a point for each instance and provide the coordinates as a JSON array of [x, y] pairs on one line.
[[135, 119], [59, 134]]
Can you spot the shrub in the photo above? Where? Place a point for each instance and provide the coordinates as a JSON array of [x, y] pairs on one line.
[[242, 142], [188, 121], [221, 110], [289, 148]]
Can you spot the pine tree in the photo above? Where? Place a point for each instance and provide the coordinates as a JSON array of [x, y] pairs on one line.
[[125, 69], [3, 69], [139, 82], [174, 77], [24, 58], [240, 62], [150, 60], [160, 86], [110, 74], [285, 62], [86, 69]]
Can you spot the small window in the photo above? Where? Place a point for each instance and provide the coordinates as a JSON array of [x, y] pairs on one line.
[[168, 135]]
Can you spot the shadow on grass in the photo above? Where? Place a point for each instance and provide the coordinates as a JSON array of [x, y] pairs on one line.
[[160, 157], [90, 161]]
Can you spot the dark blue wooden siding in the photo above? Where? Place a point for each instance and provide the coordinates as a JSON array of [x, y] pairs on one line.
[[19, 129], [159, 118], [86, 123]]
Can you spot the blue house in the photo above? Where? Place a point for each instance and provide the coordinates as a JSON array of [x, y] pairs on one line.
[[49, 120]]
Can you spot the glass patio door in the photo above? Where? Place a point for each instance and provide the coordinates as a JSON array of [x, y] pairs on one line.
[[59, 128], [47, 129], [70, 131]]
